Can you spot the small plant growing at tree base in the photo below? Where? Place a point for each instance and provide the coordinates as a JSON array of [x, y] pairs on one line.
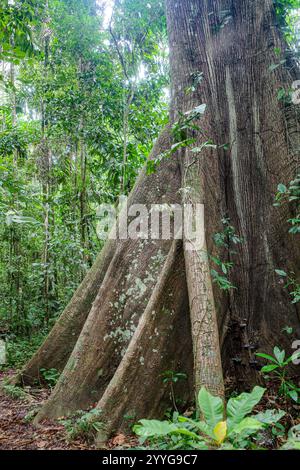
[[224, 239], [220, 428], [50, 376], [291, 284], [83, 425], [278, 368], [171, 377]]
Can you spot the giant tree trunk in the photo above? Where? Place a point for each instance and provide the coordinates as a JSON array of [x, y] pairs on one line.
[[233, 43], [145, 303]]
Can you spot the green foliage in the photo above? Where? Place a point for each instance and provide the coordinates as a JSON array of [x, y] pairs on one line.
[[16, 140], [222, 281], [29, 417], [278, 368], [211, 408], [50, 376], [291, 284], [228, 236], [14, 392], [230, 428], [170, 376], [290, 194], [287, 16], [81, 97], [20, 350], [293, 441], [17, 20], [180, 129], [288, 330], [285, 96], [187, 120], [83, 425], [239, 407], [225, 239]]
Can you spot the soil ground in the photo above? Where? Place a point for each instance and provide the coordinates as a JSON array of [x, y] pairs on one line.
[[18, 433]]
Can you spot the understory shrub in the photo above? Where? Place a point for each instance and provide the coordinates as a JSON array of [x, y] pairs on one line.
[[231, 428]]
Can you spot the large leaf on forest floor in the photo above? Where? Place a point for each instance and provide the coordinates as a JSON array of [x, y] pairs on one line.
[[211, 407], [270, 416], [220, 431], [247, 427], [239, 407], [153, 427]]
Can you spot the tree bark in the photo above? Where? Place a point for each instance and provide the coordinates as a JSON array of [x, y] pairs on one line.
[[233, 45], [55, 351], [161, 342], [119, 303]]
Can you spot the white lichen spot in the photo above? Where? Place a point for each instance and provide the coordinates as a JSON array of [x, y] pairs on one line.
[[138, 289]]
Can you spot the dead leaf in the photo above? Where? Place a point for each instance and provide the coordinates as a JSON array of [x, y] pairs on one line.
[[41, 444], [118, 440]]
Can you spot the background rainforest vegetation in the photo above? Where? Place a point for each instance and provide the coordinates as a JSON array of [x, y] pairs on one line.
[[93, 94], [83, 96]]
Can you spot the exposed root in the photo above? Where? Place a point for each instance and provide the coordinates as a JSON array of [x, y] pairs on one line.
[[161, 342]]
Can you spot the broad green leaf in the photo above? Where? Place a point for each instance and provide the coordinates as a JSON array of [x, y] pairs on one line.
[[220, 431], [294, 432], [153, 427], [270, 416], [282, 188], [288, 329], [200, 425], [200, 445], [211, 407], [293, 357], [279, 354], [239, 407], [186, 432], [207, 144], [291, 444], [266, 356], [269, 368], [199, 109], [248, 425], [293, 395], [280, 272], [227, 446]]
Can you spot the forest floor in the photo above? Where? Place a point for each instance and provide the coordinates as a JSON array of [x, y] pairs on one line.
[[18, 433]]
